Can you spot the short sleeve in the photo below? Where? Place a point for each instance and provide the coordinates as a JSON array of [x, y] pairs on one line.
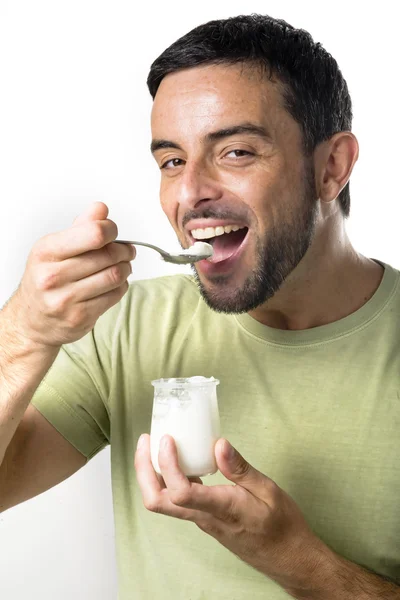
[[73, 396]]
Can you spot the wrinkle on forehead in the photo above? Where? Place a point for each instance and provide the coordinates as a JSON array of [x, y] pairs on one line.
[[212, 95]]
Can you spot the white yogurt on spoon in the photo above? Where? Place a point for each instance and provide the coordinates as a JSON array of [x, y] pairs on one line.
[[198, 249]]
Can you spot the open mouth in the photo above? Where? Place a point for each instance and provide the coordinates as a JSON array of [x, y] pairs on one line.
[[226, 245]]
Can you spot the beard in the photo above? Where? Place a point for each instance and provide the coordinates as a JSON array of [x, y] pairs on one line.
[[276, 257]]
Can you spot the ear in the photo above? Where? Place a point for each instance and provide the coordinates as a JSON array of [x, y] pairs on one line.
[[334, 162]]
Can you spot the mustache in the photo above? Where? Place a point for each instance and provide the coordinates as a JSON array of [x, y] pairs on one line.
[[213, 213]]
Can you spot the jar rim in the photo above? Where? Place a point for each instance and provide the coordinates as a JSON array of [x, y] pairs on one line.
[[183, 383]]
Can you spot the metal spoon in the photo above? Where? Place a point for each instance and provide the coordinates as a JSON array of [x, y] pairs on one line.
[[177, 259]]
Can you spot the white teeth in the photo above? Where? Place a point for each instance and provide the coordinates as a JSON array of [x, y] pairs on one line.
[[210, 232], [198, 234]]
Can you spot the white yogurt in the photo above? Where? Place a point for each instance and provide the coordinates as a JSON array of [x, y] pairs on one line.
[[187, 409], [198, 249]]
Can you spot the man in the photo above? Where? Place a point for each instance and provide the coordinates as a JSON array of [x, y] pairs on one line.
[[251, 130]]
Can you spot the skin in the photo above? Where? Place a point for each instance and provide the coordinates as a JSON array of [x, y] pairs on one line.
[[263, 184]]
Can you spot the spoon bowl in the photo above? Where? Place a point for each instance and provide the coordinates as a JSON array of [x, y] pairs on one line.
[[199, 251]]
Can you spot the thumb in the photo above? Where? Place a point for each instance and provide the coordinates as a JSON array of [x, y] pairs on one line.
[[236, 468], [97, 211]]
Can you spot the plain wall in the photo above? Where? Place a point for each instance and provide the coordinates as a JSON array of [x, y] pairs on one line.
[[74, 127]]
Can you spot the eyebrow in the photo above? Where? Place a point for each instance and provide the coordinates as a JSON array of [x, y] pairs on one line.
[[214, 136]]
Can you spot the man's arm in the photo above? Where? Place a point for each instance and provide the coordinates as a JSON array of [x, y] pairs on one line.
[[340, 579], [34, 456], [71, 278], [23, 364], [37, 458], [256, 520]]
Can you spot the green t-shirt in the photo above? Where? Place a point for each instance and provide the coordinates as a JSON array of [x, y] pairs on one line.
[[316, 410]]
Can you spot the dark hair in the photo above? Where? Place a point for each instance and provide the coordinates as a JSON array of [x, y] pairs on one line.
[[315, 92]]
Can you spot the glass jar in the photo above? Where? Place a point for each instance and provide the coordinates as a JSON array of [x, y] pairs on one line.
[[187, 409]]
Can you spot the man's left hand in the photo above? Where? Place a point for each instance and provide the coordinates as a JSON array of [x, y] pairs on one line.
[[255, 519]]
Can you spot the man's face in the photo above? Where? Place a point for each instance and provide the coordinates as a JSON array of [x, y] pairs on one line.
[[233, 174]]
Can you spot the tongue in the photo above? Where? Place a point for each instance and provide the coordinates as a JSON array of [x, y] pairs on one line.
[[225, 245]]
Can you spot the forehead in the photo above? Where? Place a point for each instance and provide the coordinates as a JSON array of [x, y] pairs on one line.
[[200, 99]]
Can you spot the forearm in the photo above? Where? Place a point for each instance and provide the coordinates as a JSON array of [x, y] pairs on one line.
[[335, 578], [23, 365]]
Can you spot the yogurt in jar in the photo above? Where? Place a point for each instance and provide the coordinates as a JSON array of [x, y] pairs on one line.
[[187, 409]]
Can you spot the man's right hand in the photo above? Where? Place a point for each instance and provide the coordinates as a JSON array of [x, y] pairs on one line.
[[71, 278]]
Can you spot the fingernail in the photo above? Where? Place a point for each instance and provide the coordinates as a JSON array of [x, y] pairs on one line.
[[229, 451], [140, 442], [164, 443]]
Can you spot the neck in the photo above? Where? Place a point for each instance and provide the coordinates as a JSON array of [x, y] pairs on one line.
[[330, 282]]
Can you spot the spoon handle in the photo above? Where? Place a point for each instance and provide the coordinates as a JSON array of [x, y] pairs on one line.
[[162, 252]]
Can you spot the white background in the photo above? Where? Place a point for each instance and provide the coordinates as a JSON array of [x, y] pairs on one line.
[[74, 127]]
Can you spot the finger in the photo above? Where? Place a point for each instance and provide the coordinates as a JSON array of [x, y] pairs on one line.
[[218, 501], [101, 283], [94, 261], [100, 304], [97, 211], [76, 240], [154, 494], [149, 483], [235, 468]]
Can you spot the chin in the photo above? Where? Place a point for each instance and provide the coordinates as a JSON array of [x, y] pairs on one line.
[[232, 293]]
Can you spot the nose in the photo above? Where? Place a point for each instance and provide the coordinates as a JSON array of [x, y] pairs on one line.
[[198, 184]]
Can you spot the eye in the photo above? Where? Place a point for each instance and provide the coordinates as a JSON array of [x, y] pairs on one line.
[[238, 153], [171, 163]]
